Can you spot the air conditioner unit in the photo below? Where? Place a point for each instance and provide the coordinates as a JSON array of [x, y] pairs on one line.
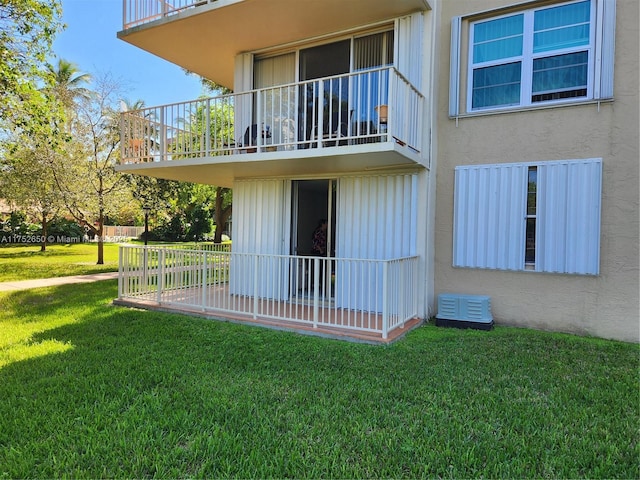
[[464, 311]]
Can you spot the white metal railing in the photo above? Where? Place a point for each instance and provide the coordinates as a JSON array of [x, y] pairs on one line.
[[352, 294], [376, 105], [199, 246], [138, 12]]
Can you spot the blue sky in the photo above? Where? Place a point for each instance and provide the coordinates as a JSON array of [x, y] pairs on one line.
[[90, 42]]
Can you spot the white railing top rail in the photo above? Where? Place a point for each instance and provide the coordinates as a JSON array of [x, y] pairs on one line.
[[194, 249]]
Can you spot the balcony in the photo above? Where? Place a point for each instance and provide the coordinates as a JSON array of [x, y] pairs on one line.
[[341, 124], [367, 300], [204, 36]]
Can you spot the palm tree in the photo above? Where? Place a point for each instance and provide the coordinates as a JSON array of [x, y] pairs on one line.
[[69, 83]]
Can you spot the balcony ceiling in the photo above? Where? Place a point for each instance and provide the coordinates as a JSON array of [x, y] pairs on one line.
[[324, 163], [206, 39]]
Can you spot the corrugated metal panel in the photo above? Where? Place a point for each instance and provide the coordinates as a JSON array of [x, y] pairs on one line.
[[568, 225], [258, 216], [454, 68], [409, 54], [605, 48], [377, 219], [490, 208], [489, 212], [258, 227]]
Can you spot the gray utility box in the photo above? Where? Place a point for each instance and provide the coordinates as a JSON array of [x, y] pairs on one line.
[[464, 311]]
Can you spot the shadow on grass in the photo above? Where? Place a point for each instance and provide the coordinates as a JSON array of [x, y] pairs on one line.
[[144, 393]]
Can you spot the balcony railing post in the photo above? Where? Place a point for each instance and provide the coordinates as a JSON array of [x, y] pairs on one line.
[[120, 270], [320, 113], [207, 131], [316, 291], [256, 284], [259, 120], [385, 299], [163, 134], [203, 283], [160, 281], [391, 112]]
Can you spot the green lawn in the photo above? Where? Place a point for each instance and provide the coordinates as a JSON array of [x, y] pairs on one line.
[[89, 390], [28, 262]]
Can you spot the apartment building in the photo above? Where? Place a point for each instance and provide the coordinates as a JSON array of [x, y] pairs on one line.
[[477, 147]]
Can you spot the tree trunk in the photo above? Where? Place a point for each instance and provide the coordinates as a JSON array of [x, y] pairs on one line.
[[100, 223], [43, 246], [221, 215], [100, 239]]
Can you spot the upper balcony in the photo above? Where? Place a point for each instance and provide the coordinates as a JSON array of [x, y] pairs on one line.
[[368, 120], [204, 36]]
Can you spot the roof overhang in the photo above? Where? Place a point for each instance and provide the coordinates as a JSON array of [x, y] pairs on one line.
[[206, 39]]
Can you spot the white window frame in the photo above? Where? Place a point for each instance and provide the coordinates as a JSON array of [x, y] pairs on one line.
[[527, 58], [490, 214], [600, 69]]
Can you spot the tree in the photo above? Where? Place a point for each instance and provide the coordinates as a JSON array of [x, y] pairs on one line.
[[27, 31], [85, 174], [30, 156], [69, 84], [29, 181]]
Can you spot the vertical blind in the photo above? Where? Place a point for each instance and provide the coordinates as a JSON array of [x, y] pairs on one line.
[[277, 104]]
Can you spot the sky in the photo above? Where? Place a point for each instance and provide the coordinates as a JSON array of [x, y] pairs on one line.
[[90, 42]]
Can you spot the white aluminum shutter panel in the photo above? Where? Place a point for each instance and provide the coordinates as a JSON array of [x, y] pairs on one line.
[[489, 212], [257, 229], [454, 68], [376, 219], [410, 33], [568, 216], [605, 48], [257, 219], [243, 82]]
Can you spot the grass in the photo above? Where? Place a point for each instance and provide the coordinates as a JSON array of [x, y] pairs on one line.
[[91, 390], [28, 262]]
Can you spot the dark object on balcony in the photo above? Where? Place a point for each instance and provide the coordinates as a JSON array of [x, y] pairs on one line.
[[333, 130], [251, 134]]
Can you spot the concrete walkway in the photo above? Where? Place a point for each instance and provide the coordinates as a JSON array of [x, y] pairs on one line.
[[52, 282]]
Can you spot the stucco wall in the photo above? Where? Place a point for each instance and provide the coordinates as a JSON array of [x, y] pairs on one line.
[[606, 305]]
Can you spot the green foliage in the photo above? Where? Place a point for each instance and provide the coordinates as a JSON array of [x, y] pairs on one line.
[[17, 224], [90, 390], [172, 230], [27, 31], [66, 228], [198, 223]]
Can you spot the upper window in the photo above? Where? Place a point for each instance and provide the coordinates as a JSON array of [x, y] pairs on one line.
[[535, 56], [555, 53]]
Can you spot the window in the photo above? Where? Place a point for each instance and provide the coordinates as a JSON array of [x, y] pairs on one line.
[[541, 216], [556, 53]]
